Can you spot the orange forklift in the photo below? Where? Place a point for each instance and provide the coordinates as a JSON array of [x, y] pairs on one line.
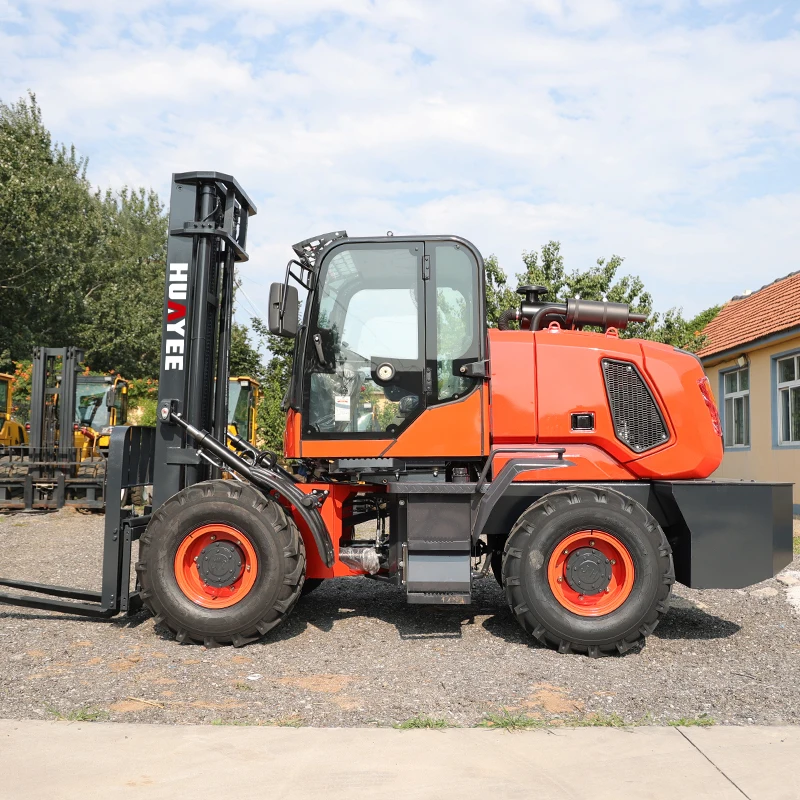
[[423, 446]]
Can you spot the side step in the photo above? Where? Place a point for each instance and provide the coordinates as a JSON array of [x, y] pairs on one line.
[[440, 598]]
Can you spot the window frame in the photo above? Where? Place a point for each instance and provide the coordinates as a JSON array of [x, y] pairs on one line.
[[739, 393], [778, 387], [312, 311]]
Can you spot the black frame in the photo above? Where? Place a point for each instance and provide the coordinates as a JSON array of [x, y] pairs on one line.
[[298, 394]]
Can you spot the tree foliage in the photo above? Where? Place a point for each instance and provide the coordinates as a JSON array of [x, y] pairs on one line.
[[271, 418], [599, 282], [77, 266]]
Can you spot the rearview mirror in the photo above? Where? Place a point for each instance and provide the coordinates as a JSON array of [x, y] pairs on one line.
[[283, 298]]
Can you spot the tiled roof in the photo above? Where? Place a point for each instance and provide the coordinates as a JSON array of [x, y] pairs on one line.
[[773, 308]]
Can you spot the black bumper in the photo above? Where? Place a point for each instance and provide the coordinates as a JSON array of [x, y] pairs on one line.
[[726, 534]]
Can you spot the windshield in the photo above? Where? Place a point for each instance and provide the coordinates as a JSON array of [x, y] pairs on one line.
[[90, 405]]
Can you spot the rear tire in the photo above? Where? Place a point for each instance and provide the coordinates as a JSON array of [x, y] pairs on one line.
[[261, 546], [543, 598]]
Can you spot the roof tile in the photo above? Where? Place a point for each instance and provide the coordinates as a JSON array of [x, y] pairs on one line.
[[773, 308]]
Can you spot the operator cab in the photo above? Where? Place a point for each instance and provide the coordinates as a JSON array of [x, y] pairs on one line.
[[390, 326]]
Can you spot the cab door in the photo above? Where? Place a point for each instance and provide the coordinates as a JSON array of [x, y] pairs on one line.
[[390, 327], [364, 361]]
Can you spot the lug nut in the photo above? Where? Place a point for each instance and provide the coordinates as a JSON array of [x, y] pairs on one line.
[[197, 558], [613, 560], [559, 580], [213, 538], [566, 552], [248, 568], [591, 543]]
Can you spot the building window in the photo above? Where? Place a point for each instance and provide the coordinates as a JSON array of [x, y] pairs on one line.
[[737, 407], [789, 400]]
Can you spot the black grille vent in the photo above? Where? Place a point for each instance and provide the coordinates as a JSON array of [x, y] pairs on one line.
[[637, 419]]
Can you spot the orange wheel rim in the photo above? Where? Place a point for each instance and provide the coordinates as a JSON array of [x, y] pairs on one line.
[[212, 553], [584, 562]]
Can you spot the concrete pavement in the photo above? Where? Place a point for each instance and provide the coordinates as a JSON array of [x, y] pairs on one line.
[[84, 761]]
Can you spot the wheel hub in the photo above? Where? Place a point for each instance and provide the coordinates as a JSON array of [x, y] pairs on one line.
[[588, 571], [219, 564]]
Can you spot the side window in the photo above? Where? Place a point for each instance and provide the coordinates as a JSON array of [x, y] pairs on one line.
[[789, 400], [3, 397], [737, 407], [457, 319]]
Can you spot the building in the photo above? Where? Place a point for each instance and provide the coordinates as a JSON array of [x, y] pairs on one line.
[[752, 358]]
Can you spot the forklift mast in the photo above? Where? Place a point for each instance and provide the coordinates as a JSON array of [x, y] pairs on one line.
[[209, 213], [53, 403]]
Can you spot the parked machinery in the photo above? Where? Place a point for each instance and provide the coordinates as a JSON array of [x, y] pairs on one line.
[[244, 394], [70, 423], [12, 432], [574, 461]]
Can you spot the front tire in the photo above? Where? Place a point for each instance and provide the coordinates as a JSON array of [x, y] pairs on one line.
[[221, 564], [587, 570]]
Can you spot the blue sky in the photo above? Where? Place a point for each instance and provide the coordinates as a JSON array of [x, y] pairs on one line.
[[666, 131]]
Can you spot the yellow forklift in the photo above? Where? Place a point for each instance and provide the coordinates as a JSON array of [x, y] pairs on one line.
[[101, 401], [244, 395], [12, 433]]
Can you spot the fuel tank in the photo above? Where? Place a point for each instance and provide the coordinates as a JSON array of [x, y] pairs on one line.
[[643, 405]]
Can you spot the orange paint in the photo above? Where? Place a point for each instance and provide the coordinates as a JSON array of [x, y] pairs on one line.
[[334, 514], [590, 464], [291, 434], [452, 429], [188, 576], [622, 574], [449, 430], [513, 387]]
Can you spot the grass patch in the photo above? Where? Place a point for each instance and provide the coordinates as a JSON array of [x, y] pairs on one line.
[[291, 721], [599, 720], [504, 720], [796, 544], [242, 686], [82, 714], [421, 721], [700, 721]]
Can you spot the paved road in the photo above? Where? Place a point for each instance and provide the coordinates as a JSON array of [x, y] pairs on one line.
[[85, 761]]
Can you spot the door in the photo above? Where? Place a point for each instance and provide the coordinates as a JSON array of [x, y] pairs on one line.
[[364, 362]]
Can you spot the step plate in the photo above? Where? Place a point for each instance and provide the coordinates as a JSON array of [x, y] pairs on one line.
[[440, 598]]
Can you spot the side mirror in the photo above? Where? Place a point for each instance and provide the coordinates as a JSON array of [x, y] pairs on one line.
[[283, 297]]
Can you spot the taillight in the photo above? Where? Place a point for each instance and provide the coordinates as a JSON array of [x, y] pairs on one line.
[[75, 426], [705, 390], [28, 427]]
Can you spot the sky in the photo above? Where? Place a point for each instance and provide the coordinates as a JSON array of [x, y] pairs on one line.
[[664, 131]]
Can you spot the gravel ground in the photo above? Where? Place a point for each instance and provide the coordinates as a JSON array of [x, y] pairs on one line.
[[353, 654]]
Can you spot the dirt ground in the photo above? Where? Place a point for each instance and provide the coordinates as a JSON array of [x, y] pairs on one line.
[[353, 654]]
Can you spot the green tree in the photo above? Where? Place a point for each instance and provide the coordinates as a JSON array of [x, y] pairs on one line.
[[245, 358], [76, 266], [50, 224], [122, 287], [599, 282], [271, 418]]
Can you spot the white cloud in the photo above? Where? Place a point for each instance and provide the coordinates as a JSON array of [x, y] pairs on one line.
[[510, 123]]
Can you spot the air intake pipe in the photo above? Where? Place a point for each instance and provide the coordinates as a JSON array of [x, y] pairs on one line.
[[536, 314]]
